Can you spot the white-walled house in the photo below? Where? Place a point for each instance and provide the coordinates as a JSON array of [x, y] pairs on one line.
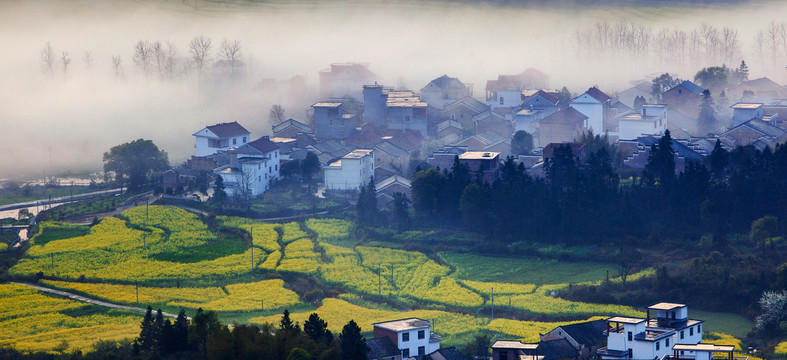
[[220, 137], [444, 90], [351, 171], [594, 104], [651, 120], [653, 338], [412, 336], [253, 169], [743, 112]]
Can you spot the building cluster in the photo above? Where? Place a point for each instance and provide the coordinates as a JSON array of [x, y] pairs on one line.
[[363, 130]]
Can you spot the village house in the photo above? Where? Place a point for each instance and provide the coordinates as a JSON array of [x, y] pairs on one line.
[[594, 104], [585, 337], [450, 130], [330, 121], [463, 111], [220, 137], [344, 79], [669, 331], [413, 336], [557, 349], [684, 97], [396, 110], [444, 158], [641, 88], [534, 108], [743, 112], [482, 165], [444, 90], [386, 188], [351, 171], [291, 128], [650, 120], [760, 88], [506, 91], [493, 121], [386, 153], [566, 125], [636, 153], [253, 168]]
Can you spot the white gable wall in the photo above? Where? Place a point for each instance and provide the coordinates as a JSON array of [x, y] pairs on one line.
[[207, 143], [591, 108], [506, 98]]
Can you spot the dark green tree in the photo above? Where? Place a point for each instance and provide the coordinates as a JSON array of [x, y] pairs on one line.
[[146, 341], [661, 84], [522, 143], [219, 195], [286, 324], [135, 164], [660, 169], [718, 160], [714, 77], [564, 98], [353, 344], [205, 325], [310, 166], [638, 102], [315, 328], [366, 207], [706, 121], [741, 74], [428, 187], [298, 354], [401, 216]]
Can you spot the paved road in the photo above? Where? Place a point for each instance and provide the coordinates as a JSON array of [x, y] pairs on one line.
[[91, 301], [58, 200]]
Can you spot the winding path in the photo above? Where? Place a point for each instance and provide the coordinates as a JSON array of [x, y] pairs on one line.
[[91, 301]]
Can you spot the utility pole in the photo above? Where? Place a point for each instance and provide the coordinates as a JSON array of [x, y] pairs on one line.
[[262, 305], [493, 303], [251, 240], [136, 286], [379, 281]]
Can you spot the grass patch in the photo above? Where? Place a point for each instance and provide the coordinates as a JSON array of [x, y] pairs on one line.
[[728, 323], [524, 270], [231, 244], [51, 231]]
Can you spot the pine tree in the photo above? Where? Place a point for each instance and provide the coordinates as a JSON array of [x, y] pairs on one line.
[[315, 328], [367, 204], [718, 160], [146, 339], [353, 344], [706, 120], [660, 169], [401, 216]]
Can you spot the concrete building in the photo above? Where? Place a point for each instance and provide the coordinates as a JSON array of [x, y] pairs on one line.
[[412, 336], [743, 112], [482, 165], [351, 171], [594, 104], [651, 120], [253, 168], [444, 90], [330, 122], [220, 137]]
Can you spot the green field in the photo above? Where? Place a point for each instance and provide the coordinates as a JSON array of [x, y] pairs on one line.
[[179, 261]]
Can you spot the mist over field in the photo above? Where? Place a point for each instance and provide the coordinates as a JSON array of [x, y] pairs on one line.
[[66, 119]]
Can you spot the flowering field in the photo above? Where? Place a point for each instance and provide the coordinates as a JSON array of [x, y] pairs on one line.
[[36, 322]]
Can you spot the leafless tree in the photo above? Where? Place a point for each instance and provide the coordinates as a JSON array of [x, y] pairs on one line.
[[88, 58], [276, 114], [230, 51], [48, 58], [759, 46], [116, 65], [66, 60], [200, 51], [730, 45], [170, 54], [143, 56]]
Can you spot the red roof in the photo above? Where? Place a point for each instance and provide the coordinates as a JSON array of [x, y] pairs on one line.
[[598, 94], [263, 145], [228, 129]]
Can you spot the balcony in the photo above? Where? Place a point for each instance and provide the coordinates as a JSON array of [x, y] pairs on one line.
[[433, 338]]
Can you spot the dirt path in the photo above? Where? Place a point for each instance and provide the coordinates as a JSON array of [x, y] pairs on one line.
[[91, 301]]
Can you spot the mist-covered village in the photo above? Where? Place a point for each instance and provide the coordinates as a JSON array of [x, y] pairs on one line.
[[392, 181]]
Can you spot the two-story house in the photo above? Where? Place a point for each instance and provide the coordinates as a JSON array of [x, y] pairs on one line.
[[412, 336], [684, 97], [651, 120], [252, 169], [394, 109], [483, 165], [331, 122], [652, 337], [220, 137], [594, 104], [444, 90], [351, 171]]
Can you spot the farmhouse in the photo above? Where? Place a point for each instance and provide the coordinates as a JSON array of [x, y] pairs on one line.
[[650, 120], [444, 90], [594, 104], [220, 137], [252, 168], [351, 171], [412, 336]]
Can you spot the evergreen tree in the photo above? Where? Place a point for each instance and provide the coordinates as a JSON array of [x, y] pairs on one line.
[[660, 169], [219, 195], [353, 344], [742, 73], [315, 328], [522, 143], [717, 160], [638, 102], [401, 216], [661, 84], [564, 98], [158, 331], [706, 121], [146, 340], [427, 187], [286, 323], [367, 204]]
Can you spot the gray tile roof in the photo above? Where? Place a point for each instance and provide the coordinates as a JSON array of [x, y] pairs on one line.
[[381, 347], [228, 129]]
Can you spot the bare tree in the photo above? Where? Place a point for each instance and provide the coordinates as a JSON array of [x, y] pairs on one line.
[[143, 55], [730, 45], [276, 114], [88, 58], [48, 58], [170, 53], [200, 51], [66, 60], [230, 51], [759, 46], [116, 65]]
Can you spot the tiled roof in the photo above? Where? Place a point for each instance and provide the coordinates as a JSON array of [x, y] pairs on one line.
[[390, 180], [446, 354], [568, 115], [291, 123], [391, 149], [598, 94], [469, 102], [263, 145], [228, 129], [381, 347], [557, 349], [445, 82], [690, 86], [589, 333], [545, 95]]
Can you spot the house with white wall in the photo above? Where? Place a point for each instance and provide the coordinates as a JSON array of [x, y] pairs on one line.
[[445, 90], [667, 325], [351, 171], [412, 336], [594, 104], [651, 120], [743, 112], [220, 137], [253, 168]]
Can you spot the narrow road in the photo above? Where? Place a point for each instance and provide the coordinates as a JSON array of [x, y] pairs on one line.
[[91, 301], [58, 200]]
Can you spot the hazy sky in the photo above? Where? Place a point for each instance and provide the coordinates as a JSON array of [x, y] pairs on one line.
[[69, 119]]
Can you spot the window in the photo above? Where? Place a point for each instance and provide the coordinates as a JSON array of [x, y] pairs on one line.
[[407, 118], [330, 122], [630, 336], [405, 353], [453, 117], [681, 334], [405, 337], [657, 346], [244, 139], [503, 355], [666, 342], [421, 350], [699, 329], [270, 169], [235, 141], [421, 334], [276, 167], [630, 353], [501, 100], [691, 331]]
